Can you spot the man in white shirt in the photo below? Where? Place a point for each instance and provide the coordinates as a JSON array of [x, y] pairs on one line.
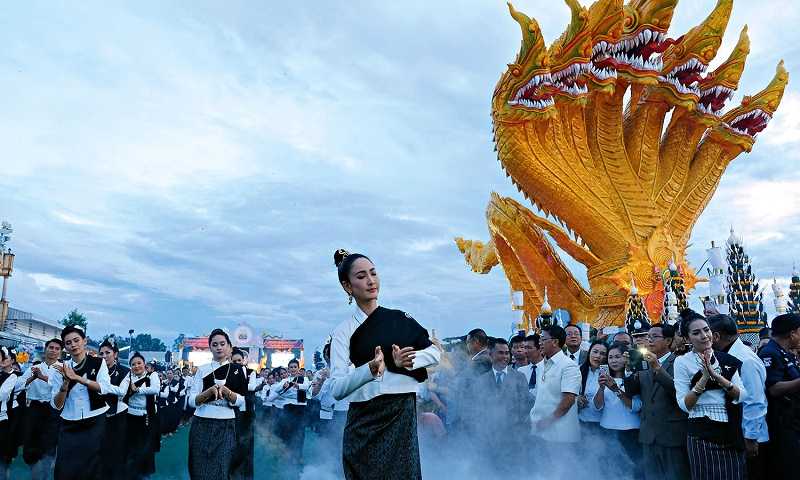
[[292, 393], [554, 417], [754, 403], [534, 353]]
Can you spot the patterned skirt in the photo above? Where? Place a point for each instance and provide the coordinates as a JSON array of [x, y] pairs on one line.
[[712, 461], [380, 439], [211, 445]]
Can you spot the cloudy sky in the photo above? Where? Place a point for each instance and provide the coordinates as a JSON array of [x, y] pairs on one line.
[[176, 166]]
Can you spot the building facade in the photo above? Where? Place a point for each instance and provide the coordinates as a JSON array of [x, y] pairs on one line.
[[27, 330]]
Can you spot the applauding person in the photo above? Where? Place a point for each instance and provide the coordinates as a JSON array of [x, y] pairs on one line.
[[143, 428]]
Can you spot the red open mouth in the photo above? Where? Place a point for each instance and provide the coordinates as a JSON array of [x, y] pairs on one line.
[[750, 123], [686, 76], [713, 99], [537, 93]]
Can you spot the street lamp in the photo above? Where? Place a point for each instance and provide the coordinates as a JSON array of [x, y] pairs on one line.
[[130, 350], [6, 266]]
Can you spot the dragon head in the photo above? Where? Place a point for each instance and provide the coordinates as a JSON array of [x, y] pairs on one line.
[[605, 27], [644, 37], [570, 56], [525, 90], [686, 60], [718, 86], [740, 126]]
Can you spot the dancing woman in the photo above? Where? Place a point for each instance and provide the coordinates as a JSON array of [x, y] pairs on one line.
[[78, 386], [143, 430], [380, 438], [708, 388], [219, 387], [114, 445]]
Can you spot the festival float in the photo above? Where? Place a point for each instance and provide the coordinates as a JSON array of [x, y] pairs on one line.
[[580, 128]]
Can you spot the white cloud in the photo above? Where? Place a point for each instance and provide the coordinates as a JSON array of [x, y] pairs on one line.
[[46, 281]]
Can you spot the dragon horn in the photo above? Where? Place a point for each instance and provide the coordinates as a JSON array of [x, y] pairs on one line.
[[530, 30]]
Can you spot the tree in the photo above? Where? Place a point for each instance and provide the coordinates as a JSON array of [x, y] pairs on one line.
[[744, 297], [75, 318], [144, 342]]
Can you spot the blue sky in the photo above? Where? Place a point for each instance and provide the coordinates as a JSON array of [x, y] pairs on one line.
[[172, 167]]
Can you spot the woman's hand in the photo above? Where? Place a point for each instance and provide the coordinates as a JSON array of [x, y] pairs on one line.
[[583, 402], [210, 395], [708, 370], [377, 365], [403, 357], [652, 360], [602, 380], [70, 374], [228, 394]]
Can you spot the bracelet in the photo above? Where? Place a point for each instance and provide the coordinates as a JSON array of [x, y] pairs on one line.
[[698, 391]]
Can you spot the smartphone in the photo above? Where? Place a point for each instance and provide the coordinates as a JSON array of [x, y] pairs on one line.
[[604, 369], [637, 361]]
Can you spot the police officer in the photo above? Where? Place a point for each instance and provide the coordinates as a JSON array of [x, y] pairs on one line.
[[783, 389]]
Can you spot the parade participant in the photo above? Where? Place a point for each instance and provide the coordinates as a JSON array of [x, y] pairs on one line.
[[708, 388], [8, 380], [245, 439], [783, 388], [292, 393], [171, 407], [590, 376], [554, 417], [218, 389], [188, 380], [41, 419], [662, 433], [78, 385], [573, 346], [143, 427], [380, 438], [114, 445], [754, 404], [619, 412]]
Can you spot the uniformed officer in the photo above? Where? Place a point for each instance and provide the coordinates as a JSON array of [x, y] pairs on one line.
[[783, 388]]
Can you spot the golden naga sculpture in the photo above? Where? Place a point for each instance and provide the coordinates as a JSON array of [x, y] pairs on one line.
[[617, 191]]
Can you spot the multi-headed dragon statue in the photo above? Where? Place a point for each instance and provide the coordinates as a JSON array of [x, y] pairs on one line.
[[623, 196]]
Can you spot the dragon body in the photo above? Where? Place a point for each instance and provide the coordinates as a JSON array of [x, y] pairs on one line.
[[612, 191]]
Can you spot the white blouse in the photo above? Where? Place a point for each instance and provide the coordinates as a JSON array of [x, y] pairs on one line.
[[711, 404], [137, 403], [76, 405], [589, 414], [358, 385], [614, 414], [218, 409]]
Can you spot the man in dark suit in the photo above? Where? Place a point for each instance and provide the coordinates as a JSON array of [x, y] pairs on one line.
[[463, 408], [663, 428], [504, 403], [573, 346]]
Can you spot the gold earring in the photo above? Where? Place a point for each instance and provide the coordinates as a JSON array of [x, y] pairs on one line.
[[349, 298]]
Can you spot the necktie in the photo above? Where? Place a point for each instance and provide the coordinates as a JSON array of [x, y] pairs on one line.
[[532, 381], [499, 378], [572, 356]]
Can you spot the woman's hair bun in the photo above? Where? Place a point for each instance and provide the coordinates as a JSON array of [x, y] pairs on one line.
[[339, 256]]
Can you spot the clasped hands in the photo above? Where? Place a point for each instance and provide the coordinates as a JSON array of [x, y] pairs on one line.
[[217, 392], [403, 358]]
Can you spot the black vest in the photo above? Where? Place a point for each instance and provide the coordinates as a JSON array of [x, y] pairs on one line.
[[117, 374], [235, 377], [91, 367], [3, 377], [385, 328], [150, 400]]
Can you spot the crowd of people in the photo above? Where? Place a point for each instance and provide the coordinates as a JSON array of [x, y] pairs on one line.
[[690, 400]]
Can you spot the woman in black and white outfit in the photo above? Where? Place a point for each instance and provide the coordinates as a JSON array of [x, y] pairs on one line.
[[114, 445], [218, 388], [245, 418], [380, 438], [8, 380], [143, 428], [291, 395], [708, 388], [78, 388]]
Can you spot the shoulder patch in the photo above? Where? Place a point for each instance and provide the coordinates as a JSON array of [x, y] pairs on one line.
[[767, 361]]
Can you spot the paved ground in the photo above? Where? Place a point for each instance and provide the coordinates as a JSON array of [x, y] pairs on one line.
[[171, 461]]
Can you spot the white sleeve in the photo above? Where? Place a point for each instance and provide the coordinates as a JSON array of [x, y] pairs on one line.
[[425, 358], [7, 388], [154, 388], [254, 382], [103, 379], [195, 389], [55, 380], [681, 383], [571, 379], [120, 390], [343, 380]]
